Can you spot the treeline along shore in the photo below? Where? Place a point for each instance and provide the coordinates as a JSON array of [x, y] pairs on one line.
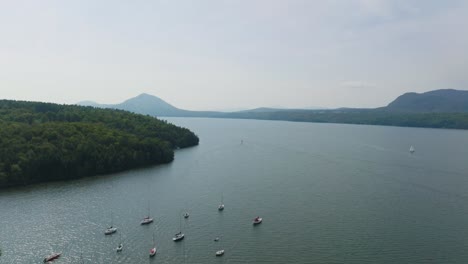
[[363, 117], [43, 141]]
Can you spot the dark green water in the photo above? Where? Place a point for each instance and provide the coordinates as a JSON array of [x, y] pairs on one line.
[[327, 193]]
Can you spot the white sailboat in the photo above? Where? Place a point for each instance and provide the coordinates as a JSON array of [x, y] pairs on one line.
[[148, 219], [412, 150], [221, 205], [52, 257], [221, 251], [153, 250], [179, 236], [186, 214], [111, 229], [120, 246]]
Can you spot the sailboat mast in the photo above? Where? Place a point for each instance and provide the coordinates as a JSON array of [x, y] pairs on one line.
[[81, 256], [149, 213], [184, 252], [180, 222]]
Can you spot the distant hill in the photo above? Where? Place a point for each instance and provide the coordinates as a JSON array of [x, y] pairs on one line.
[[436, 109], [148, 104], [152, 105], [438, 101]]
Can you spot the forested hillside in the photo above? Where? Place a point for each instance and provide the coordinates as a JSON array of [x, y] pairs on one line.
[[43, 141], [364, 117]]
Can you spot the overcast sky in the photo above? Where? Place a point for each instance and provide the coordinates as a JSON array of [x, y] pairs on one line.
[[220, 54]]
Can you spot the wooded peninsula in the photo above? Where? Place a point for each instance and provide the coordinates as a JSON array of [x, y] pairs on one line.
[[44, 141]]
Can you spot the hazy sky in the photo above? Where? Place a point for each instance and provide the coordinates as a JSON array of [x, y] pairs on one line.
[[221, 54]]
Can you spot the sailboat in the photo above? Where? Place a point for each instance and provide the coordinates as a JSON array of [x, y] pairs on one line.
[[110, 230], [412, 150], [120, 246], [52, 257], [153, 250], [221, 206], [219, 253], [179, 236], [147, 219]]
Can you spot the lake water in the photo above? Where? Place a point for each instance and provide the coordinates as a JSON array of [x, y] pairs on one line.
[[328, 193]]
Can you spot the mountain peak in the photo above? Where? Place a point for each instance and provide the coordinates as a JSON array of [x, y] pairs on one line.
[[146, 103], [443, 100], [145, 95]]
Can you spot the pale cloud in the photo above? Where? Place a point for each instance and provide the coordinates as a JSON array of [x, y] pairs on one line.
[[360, 85]]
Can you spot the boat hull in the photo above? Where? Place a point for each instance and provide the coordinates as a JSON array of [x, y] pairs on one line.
[[110, 231], [52, 257], [147, 221], [178, 238], [257, 221]]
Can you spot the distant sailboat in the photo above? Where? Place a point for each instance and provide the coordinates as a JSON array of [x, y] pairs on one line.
[[147, 219], [221, 206], [52, 257], [153, 250], [179, 236], [220, 252], [412, 150], [120, 246], [111, 230]]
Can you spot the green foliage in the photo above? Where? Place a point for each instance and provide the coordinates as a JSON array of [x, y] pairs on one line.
[[365, 117], [42, 141]]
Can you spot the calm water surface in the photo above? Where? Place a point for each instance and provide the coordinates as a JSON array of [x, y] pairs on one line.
[[327, 193]]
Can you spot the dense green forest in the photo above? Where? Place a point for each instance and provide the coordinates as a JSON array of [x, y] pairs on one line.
[[364, 117], [44, 141]]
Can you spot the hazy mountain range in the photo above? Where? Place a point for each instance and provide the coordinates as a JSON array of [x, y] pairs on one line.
[[438, 101], [152, 105]]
